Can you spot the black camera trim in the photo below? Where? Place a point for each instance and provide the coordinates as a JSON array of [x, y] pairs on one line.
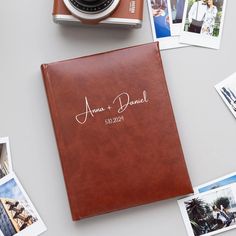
[[91, 9]]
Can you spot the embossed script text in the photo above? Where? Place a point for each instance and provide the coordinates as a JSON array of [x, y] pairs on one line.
[[122, 101]]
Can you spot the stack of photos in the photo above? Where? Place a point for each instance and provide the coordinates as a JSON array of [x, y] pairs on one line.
[[227, 91], [178, 23], [166, 18], [17, 214], [212, 209]]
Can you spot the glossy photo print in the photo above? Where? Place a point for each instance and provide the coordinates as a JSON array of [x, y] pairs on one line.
[[227, 91], [217, 183], [211, 212], [17, 215], [160, 18], [160, 14], [177, 11], [5, 157], [203, 22]]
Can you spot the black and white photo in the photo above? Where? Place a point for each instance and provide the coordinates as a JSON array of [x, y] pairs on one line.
[[211, 212], [227, 91]]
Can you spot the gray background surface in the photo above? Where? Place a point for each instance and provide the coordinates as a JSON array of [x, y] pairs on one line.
[[207, 129]]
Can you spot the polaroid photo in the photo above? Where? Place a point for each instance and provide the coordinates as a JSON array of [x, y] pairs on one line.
[[176, 16], [5, 157], [159, 12], [211, 212], [217, 183], [227, 91], [17, 214], [203, 23]]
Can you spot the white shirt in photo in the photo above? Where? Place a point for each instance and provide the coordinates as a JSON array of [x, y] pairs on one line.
[[197, 11]]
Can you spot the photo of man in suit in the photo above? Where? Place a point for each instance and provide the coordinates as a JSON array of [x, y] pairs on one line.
[[196, 16]]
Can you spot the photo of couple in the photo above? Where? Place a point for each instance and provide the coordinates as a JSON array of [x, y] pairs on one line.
[[211, 212], [180, 23], [204, 17]]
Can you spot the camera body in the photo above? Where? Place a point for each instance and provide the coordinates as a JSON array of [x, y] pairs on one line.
[[128, 13]]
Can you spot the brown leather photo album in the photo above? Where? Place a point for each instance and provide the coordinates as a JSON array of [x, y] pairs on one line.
[[115, 130]]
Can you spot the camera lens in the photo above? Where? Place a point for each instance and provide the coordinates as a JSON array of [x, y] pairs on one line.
[[91, 6], [91, 10]]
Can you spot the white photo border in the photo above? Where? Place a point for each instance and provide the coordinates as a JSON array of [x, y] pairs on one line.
[[185, 216], [196, 189], [175, 28], [36, 228], [5, 140], [166, 42], [198, 39], [218, 89]]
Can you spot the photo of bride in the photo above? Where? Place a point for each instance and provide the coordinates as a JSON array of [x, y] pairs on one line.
[[209, 19]]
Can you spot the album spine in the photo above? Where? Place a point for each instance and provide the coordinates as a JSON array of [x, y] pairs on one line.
[[58, 134]]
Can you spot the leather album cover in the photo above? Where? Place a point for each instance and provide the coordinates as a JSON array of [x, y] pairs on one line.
[[115, 130]]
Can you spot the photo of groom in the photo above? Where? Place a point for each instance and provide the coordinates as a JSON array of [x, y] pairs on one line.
[[196, 16]]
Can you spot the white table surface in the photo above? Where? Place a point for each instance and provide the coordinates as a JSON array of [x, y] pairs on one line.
[[207, 129]]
